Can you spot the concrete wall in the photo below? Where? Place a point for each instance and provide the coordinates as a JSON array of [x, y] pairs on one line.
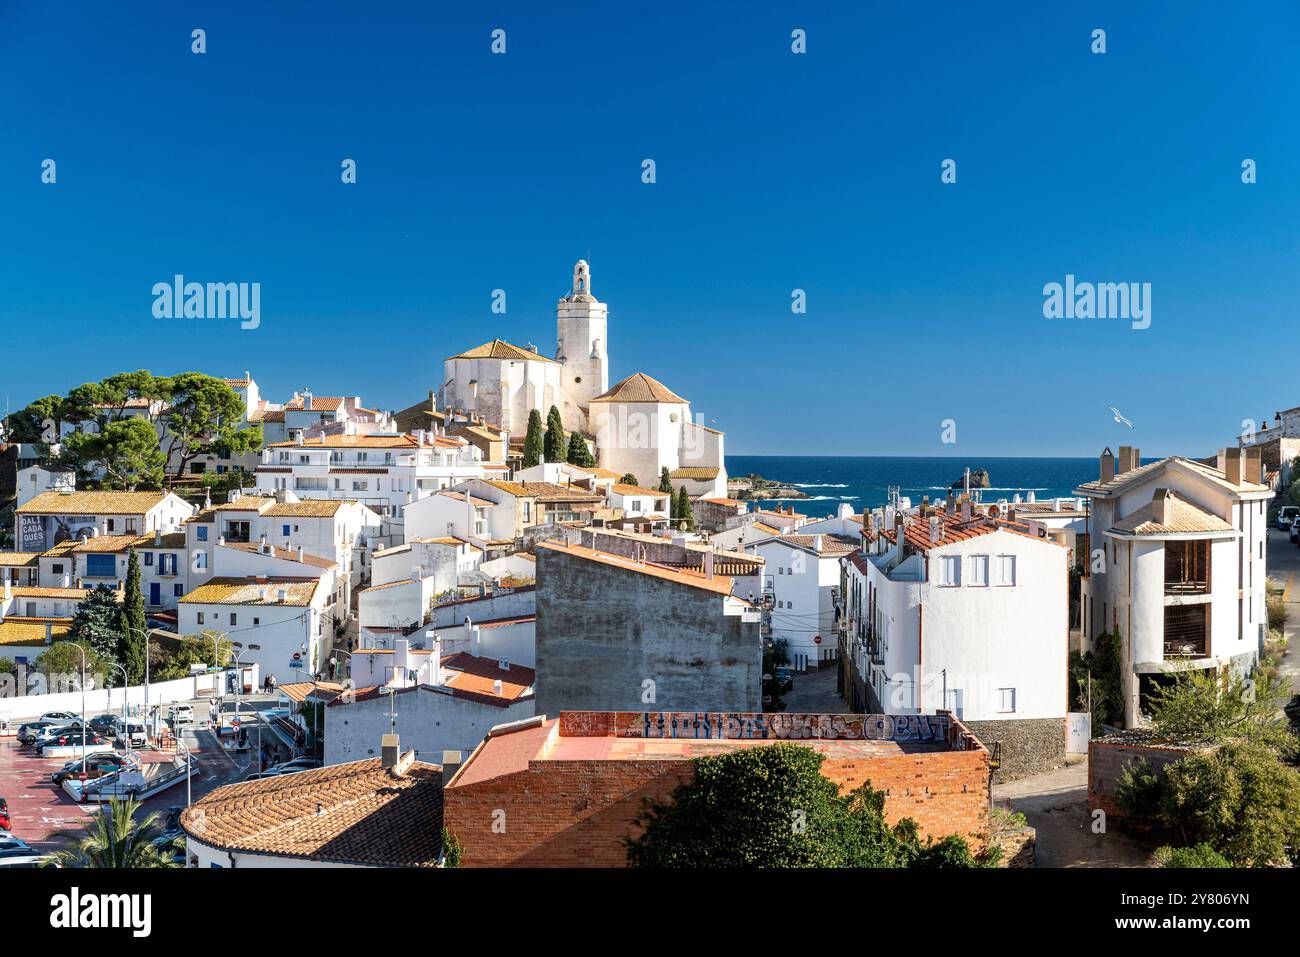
[[430, 720], [103, 699], [602, 631]]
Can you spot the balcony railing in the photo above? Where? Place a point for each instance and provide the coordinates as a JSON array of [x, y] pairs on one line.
[[1185, 648], [1187, 588]]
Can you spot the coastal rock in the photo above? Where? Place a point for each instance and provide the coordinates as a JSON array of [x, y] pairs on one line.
[[979, 478], [774, 491]]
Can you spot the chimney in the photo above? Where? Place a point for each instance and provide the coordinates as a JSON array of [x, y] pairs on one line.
[[496, 687], [451, 761], [157, 536], [1160, 506], [9, 589], [708, 564], [390, 749], [936, 529], [965, 509], [1252, 469], [306, 399], [473, 641], [965, 480], [221, 539], [49, 633], [1107, 466], [1232, 465], [1129, 457], [817, 544], [300, 553]]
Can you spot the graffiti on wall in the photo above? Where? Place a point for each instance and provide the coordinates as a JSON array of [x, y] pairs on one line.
[[741, 725]]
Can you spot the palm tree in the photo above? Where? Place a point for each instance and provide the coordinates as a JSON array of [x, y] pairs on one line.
[[115, 839]]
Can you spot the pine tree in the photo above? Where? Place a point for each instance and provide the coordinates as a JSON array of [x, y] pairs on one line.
[[133, 624], [665, 482], [556, 447], [685, 516], [533, 443], [98, 622], [579, 452]]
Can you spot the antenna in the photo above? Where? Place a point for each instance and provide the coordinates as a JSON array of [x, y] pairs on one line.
[[391, 714]]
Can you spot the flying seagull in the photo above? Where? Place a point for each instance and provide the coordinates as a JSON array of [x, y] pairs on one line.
[[1119, 416]]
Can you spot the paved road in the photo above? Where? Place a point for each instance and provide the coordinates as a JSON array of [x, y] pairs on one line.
[[814, 693], [39, 809], [1284, 568]]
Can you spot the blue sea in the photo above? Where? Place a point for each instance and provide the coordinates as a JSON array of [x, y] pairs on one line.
[[864, 481]]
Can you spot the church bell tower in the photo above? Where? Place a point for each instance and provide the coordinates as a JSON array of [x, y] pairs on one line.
[[582, 347]]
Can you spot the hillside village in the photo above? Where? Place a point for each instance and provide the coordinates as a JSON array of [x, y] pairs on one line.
[[532, 570]]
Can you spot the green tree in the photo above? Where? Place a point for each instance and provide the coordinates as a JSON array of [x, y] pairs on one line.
[[628, 479], [204, 418], [126, 449], [534, 444], [556, 447], [211, 649], [61, 664], [770, 806], [98, 621], [685, 517], [665, 481], [134, 627], [451, 849], [1196, 706], [580, 452], [28, 423], [115, 839], [1240, 798]]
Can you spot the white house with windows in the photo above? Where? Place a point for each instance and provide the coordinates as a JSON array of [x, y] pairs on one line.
[[283, 625], [959, 610], [63, 515], [1176, 564], [801, 573], [638, 502], [383, 471]]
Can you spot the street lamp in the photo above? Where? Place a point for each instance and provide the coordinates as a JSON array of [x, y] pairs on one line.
[[126, 683], [82, 651]]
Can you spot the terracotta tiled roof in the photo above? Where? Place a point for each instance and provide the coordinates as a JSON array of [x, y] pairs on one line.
[[92, 503], [460, 497], [18, 559], [247, 591], [31, 631], [245, 503], [355, 813], [1181, 516], [599, 472], [307, 508], [723, 501], [319, 403], [831, 545], [266, 415], [35, 592], [638, 490], [1098, 488], [374, 440], [396, 584], [478, 676], [500, 349], [284, 554], [545, 491], [719, 584], [698, 472], [640, 388], [302, 690], [120, 543], [953, 529]]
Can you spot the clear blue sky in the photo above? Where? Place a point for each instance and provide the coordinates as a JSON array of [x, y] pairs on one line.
[[775, 171]]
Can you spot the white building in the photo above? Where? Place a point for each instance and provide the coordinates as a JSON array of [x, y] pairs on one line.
[[59, 516], [802, 573], [284, 626], [1177, 564], [37, 479], [437, 702], [383, 471]]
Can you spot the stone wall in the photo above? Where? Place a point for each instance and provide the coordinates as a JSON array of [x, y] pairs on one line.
[[1018, 846], [1029, 746]]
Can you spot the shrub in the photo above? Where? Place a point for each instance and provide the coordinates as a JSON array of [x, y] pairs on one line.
[[1198, 855]]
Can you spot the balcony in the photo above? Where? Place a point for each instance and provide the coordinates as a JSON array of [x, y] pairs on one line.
[[1186, 628], [1187, 568]]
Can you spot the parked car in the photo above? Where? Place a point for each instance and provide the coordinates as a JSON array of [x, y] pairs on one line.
[[1295, 532], [5, 822], [104, 724], [299, 764], [132, 732], [97, 765], [29, 732], [54, 732], [60, 716], [90, 739], [1286, 515], [258, 775], [181, 714], [16, 853]]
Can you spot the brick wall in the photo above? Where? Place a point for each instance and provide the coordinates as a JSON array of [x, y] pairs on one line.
[[1106, 763], [576, 813]]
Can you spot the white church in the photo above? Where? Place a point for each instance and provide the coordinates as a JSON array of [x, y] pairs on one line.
[[639, 426]]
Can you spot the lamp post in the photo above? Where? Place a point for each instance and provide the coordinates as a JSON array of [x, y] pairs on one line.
[[82, 651], [126, 683]]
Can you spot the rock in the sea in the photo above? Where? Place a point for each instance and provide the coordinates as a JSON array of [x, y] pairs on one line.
[[979, 478]]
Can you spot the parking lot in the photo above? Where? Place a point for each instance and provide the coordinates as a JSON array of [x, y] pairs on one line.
[[39, 808]]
